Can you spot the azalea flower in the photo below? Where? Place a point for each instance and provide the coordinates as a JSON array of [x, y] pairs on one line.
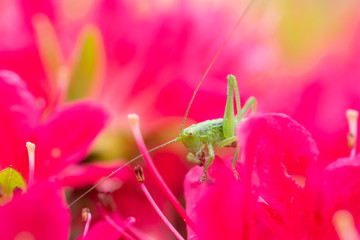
[[62, 138], [144, 63]]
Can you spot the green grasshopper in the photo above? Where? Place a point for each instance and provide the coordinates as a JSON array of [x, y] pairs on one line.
[[217, 132]]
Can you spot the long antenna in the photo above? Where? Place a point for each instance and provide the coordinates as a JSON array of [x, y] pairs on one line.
[[214, 59], [118, 169]]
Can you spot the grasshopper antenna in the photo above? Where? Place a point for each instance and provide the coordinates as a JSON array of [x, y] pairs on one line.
[[121, 167], [214, 59]]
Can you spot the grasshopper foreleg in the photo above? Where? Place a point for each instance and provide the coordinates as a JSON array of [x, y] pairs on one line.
[[199, 158], [209, 162]]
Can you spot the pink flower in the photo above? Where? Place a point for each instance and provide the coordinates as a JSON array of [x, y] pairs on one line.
[[62, 138], [40, 214]]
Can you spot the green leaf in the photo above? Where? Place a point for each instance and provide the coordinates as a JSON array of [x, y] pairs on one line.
[[10, 179]]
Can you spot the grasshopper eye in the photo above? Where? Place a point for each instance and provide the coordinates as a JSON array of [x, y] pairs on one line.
[[191, 133]]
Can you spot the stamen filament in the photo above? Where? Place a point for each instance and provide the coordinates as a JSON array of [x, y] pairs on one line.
[[157, 209], [141, 178], [344, 225], [86, 217], [134, 123], [352, 116], [31, 152]]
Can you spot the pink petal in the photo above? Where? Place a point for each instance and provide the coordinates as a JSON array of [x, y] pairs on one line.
[[102, 230], [66, 136], [88, 174], [19, 113], [218, 207], [278, 146], [341, 185], [327, 191], [18, 50], [39, 214], [279, 149]]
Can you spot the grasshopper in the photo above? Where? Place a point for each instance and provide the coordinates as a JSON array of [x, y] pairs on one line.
[[217, 132]]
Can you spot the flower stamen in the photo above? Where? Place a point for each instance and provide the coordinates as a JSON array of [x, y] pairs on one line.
[[141, 178], [352, 116], [86, 217], [134, 123], [31, 152]]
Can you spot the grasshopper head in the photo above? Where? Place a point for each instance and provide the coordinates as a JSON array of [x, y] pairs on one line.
[[191, 140]]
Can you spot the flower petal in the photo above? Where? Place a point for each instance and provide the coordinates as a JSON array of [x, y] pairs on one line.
[[102, 230], [66, 136], [19, 113], [341, 184], [82, 175], [280, 150], [218, 207], [278, 147], [39, 214]]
